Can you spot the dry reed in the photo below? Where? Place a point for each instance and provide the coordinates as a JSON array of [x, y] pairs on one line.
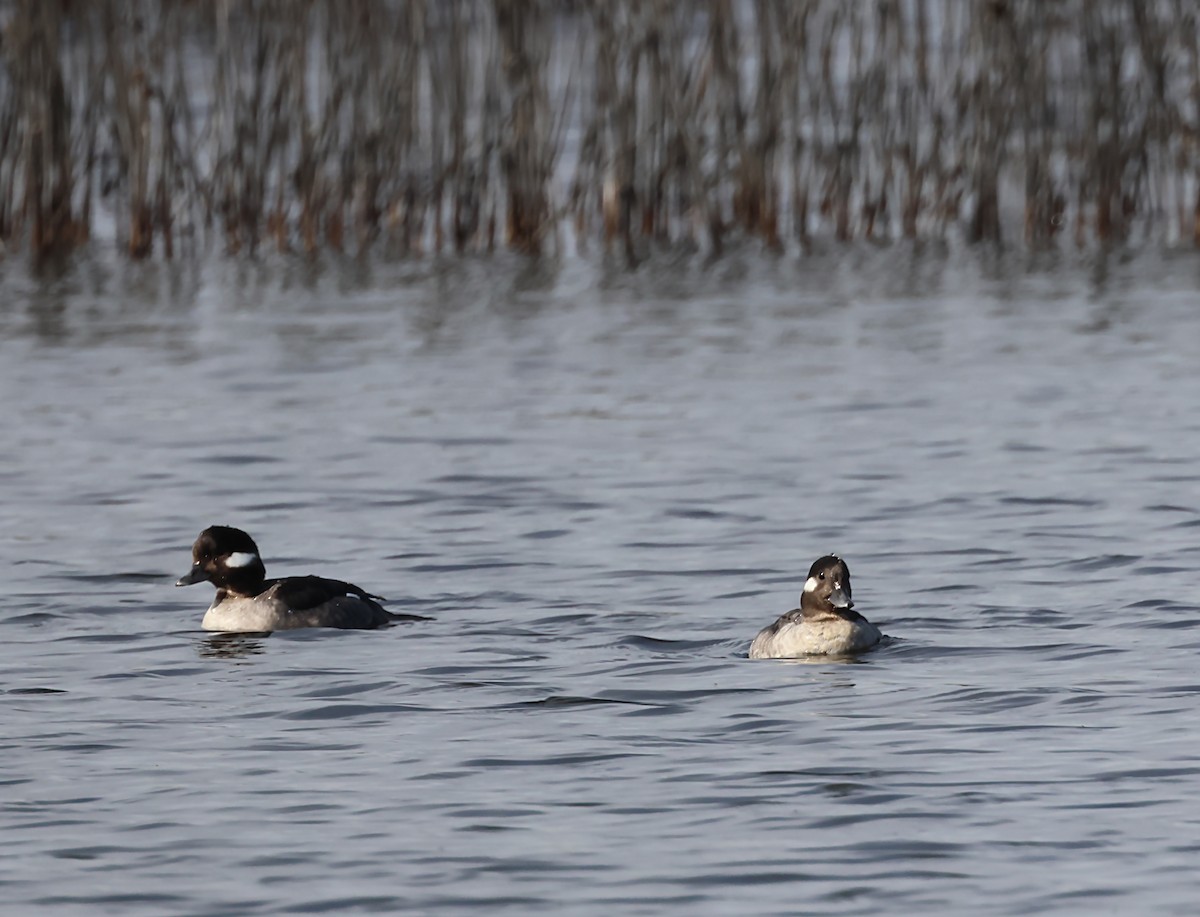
[[417, 125]]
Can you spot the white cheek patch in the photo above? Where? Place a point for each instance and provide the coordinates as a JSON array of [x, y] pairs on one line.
[[810, 584], [240, 559]]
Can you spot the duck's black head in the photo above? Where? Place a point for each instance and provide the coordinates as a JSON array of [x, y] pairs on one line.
[[828, 585], [228, 558]]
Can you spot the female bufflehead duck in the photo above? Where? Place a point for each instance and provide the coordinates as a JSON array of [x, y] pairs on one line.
[[248, 602], [824, 624]]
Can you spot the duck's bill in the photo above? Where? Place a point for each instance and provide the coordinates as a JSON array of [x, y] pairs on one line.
[[839, 599], [194, 575]]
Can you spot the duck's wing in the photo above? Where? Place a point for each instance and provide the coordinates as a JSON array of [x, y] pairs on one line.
[[331, 603], [766, 644], [301, 593], [795, 616]]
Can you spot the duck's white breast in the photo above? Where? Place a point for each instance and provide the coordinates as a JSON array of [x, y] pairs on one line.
[[244, 615], [830, 636]]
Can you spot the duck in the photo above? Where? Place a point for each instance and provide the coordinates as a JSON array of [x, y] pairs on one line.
[[825, 624], [248, 602]]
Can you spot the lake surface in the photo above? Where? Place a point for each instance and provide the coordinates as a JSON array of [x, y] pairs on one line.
[[600, 485]]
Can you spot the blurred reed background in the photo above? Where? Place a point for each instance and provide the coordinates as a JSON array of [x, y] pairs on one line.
[[462, 125]]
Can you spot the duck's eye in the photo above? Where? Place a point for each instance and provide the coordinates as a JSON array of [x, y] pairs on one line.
[[822, 576]]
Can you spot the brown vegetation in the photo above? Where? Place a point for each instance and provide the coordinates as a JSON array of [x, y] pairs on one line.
[[416, 125]]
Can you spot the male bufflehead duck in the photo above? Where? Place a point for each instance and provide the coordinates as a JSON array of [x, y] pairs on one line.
[[824, 624], [248, 602]]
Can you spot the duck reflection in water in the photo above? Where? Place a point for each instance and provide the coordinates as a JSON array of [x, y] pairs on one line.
[[232, 646]]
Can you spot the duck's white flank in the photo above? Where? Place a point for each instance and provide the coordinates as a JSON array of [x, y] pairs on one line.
[[827, 635]]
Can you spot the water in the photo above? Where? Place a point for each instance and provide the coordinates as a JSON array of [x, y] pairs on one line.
[[601, 485]]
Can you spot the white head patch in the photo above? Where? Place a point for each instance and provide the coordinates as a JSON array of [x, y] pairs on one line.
[[240, 559], [810, 585]]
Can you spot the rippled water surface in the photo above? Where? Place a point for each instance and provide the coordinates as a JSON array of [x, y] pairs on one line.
[[600, 485]]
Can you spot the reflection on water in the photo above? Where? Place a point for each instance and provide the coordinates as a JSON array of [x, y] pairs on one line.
[[232, 646], [599, 485]]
